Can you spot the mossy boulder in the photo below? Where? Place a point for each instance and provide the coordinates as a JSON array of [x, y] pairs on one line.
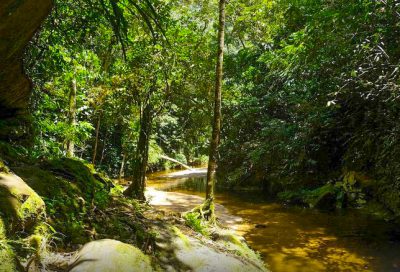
[[324, 198], [71, 189], [109, 256], [7, 258], [327, 197], [21, 206]]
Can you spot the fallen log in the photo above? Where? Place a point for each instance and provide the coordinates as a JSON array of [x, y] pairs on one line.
[[177, 162]]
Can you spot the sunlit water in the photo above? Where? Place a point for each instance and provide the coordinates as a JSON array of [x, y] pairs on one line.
[[298, 239]]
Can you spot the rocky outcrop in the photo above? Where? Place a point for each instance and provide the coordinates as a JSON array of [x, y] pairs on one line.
[[177, 251], [108, 256], [20, 206], [19, 20]]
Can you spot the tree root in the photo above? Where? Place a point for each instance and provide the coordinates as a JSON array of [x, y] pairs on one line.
[[205, 211]]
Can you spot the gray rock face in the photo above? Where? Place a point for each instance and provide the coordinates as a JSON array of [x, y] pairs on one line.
[[110, 256]]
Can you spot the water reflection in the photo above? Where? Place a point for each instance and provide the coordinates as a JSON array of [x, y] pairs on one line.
[[296, 239]]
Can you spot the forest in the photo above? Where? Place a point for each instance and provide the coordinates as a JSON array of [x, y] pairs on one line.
[[194, 135]]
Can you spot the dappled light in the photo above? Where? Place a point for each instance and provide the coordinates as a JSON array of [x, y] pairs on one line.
[[200, 135], [288, 238]]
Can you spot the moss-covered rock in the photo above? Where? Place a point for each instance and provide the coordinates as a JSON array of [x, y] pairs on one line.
[[20, 205], [71, 190], [108, 256], [327, 197], [324, 197], [3, 167], [7, 258], [198, 256]]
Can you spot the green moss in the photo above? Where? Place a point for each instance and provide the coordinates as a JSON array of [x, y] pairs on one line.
[[3, 167], [70, 190], [181, 236], [120, 257], [194, 222], [7, 258], [325, 197], [21, 206], [32, 207], [322, 197]]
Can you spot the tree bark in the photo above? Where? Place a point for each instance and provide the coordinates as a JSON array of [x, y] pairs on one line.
[[96, 143], [213, 155], [71, 119], [136, 189], [122, 169]]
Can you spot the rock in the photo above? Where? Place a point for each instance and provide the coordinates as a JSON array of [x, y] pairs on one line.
[[187, 253], [323, 198], [7, 258], [19, 20], [20, 205], [110, 256]]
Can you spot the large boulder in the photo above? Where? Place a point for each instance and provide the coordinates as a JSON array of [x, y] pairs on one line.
[[20, 206], [227, 252], [19, 20], [109, 256]]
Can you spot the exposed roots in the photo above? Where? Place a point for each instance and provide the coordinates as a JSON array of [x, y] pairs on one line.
[[205, 211]]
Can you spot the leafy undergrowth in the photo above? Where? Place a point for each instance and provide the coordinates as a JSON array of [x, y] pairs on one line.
[[196, 223], [84, 205], [81, 205]]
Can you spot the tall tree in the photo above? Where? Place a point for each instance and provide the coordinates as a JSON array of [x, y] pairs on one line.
[[215, 138], [71, 119], [136, 189]]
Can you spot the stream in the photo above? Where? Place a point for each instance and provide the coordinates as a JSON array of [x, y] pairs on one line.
[[288, 238]]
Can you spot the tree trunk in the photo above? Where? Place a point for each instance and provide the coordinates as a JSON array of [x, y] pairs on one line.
[[96, 143], [71, 119], [213, 155], [136, 189], [122, 169]]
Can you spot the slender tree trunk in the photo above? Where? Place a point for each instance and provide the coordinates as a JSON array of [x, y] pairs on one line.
[[96, 143], [103, 149], [122, 169], [136, 189], [175, 161], [71, 118], [213, 155]]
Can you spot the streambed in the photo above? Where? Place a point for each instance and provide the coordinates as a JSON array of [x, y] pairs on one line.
[[288, 238]]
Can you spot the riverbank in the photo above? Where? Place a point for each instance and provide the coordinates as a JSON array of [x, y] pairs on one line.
[[62, 215]]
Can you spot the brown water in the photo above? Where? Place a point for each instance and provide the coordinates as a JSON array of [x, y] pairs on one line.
[[298, 239]]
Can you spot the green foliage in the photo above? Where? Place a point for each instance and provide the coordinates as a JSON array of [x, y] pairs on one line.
[[196, 223], [312, 90], [123, 56]]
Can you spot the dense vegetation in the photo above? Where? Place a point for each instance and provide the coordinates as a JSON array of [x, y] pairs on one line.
[[310, 93], [121, 75], [313, 95], [310, 108]]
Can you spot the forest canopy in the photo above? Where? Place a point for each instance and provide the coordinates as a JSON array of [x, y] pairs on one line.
[[310, 87]]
